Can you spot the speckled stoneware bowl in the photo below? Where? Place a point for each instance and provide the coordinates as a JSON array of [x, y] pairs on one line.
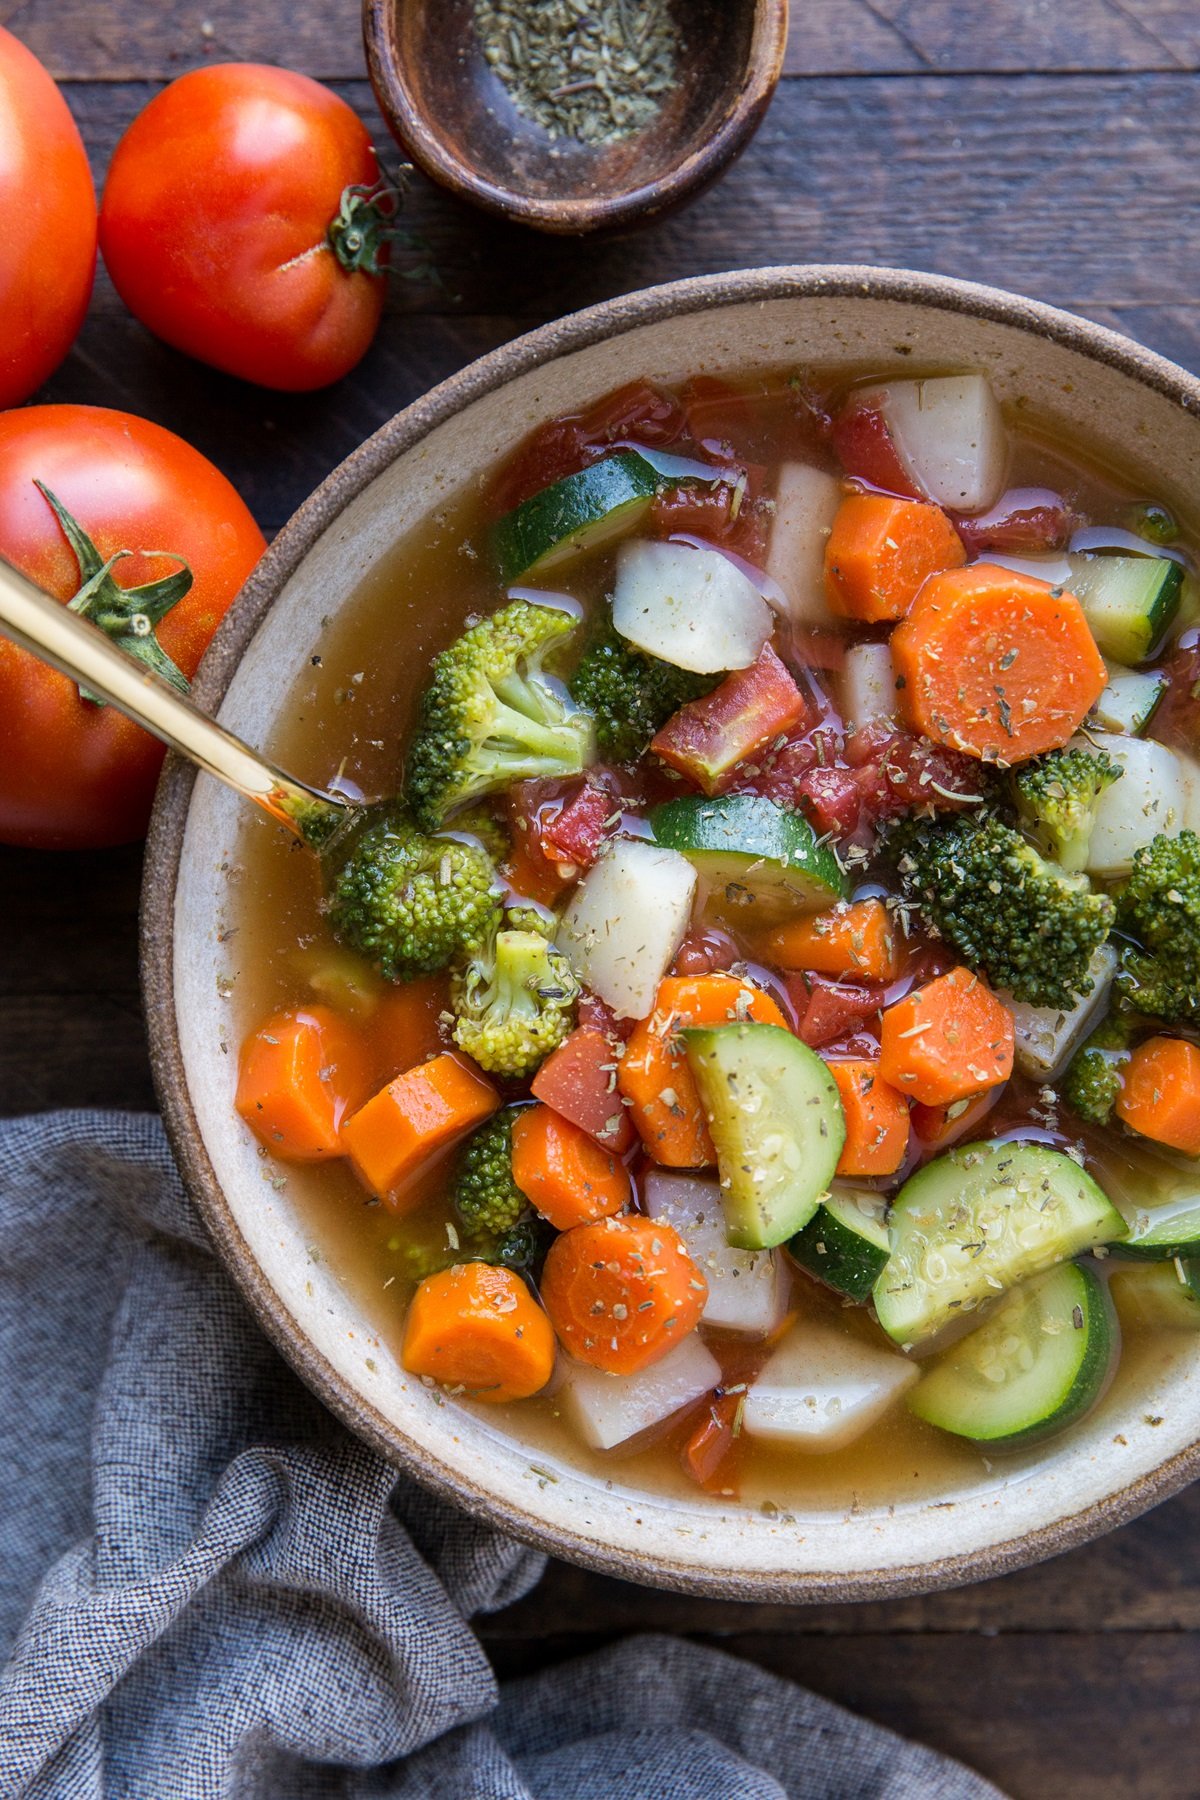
[[1108, 394]]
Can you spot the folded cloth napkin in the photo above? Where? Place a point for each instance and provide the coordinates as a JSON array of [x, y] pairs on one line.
[[211, 1589]]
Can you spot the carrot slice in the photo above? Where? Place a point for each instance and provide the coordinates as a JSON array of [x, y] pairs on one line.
[[849, 942], [654, 1076], [563, 1172], [479, 1328], [708, 1447], [405, 1026], [580, 1081], [622, 1292], [876, 1120], [299, 1075], [998, 665], [1161, 1095], [947, 1041], [880, 551], [411, 1119]]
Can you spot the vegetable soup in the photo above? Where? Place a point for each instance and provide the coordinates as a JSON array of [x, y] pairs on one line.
[[759, 1047]]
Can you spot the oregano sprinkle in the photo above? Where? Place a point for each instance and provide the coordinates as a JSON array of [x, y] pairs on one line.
[[592, 70]]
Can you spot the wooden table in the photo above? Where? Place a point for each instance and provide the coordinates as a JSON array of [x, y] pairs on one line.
[[1051, 146]]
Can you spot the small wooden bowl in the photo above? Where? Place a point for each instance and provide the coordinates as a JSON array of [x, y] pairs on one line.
[[454, 118]]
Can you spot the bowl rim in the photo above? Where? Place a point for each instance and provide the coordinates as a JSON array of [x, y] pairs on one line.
[[518, 356], [703, 161]]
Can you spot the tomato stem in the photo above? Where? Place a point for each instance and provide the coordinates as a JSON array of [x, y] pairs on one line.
[[366, 225], [128, 615]]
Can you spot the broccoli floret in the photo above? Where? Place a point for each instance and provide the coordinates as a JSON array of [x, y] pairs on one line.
[[486, 1198], [631, 694], [491, 716], [412, 904], [515, 1002], [481, 822], [1057, 796], [1019, 920], [1159, 906], [1093, 1078]]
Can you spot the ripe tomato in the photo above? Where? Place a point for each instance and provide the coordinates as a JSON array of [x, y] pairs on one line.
[[75, 774], [244, 222], [48, 204]]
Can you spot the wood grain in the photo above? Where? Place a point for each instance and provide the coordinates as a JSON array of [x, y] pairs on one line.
[[81, 40]]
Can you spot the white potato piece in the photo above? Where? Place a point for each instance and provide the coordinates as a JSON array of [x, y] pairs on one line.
[[607, 1410], [805, 502], [1053, 569], [747, 1289], [625, 922], [949, 434], [690, 607], [1191, 785], [1046, 1037], [823, 1388], [1151, 796], [868, 684]]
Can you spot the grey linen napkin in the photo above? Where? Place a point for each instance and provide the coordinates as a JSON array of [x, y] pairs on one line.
[[210, 1589]]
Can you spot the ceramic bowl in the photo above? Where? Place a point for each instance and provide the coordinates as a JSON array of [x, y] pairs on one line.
[[452, 116], [1119, 401]]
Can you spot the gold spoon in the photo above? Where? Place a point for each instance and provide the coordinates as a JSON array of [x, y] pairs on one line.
[[84, 653]]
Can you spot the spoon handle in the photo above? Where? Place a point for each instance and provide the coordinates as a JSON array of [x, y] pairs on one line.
[[82, 652]]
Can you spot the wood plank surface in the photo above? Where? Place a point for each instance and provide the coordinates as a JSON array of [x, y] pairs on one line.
[[1050, 146]]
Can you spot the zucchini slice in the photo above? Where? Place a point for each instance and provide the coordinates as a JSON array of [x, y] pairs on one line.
[[1158, 1295], [580, 512], [845, 1243], [777, 1123], [1036, 1365], [1130, 700], [1161, 1233], [760, 863], [976, 1222], [1129, 601]]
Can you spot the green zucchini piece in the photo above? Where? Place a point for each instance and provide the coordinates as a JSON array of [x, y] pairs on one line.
[[777, 1123], [976, 1222], [845, 1243], [1129, 601], [1160, 1233], [1036, 1364], [580, 512], [1158, 1295], [1130, 700], [759, 863]]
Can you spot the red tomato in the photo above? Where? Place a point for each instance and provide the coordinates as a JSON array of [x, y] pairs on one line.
[[244, 223], [637, 413], [48, 204], [74, 774]]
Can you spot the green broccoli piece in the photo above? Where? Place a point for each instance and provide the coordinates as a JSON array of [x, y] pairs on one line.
[[481, 822], [514, 1001], [491, 716], [630, 693], [1021, 921], [486, 1198], [1093, 1078], [1159, 907], [1057, 796], [410, 903]]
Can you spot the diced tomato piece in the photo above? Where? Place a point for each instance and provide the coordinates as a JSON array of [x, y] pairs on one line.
[[708, 739], [1023, 522], [866, 452], [828, 1010], [1177, 721], [728, 512], [938, 1127], [579, 1081], [705, 951], [707, 1447], [577, 830], [822, 650], [594, 1011], [896, 771], [530, 874], [639, 413], [722, 420], [831, 799]]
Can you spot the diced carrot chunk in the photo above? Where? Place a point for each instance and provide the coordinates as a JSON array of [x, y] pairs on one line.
[[622, 1292], [880, 551], [413, 1118], [852, 942], [947, 1041], [1160, 1095], [876, 1120], [299, 1075], [478, 1328], [563, 1172]]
